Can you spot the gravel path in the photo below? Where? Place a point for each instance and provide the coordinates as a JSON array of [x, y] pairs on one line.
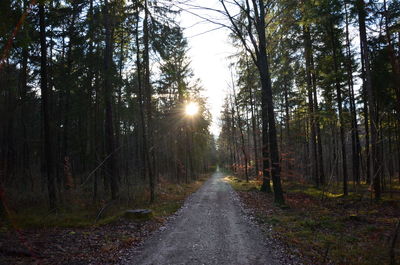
[[211, 228]]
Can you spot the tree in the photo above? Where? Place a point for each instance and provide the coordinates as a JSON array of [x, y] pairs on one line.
[[255, 15], [360, 5], [48, 148]]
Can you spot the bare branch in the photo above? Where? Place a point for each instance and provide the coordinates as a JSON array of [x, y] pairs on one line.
[[239, 34], [250, 30]]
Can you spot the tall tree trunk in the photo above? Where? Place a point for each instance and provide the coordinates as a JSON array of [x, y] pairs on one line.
[[108, 98], [320, 155], [239, 122], [23, 95], [46, 111], [68, 84], [268, 115], [354, 126], [143, 153], [313, 153], [233, 141], [148, 90], [340, 110], [371, 98], [254, 128], [287, 128]]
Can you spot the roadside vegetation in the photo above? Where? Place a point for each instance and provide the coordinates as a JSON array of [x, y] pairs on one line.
[[323, 227], [87, 233]]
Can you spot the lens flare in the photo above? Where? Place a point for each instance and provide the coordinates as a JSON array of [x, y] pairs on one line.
[[191, 109]]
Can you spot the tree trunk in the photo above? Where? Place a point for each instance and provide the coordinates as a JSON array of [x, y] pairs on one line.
[[340, 110], [239, 122], [371, 98], [142, 122], [353, 110], [23, 94], [254, 127], [313, 153], [148, 90], [108, 98], [46, 111], [68, 84], [320, 155], [268, 115]]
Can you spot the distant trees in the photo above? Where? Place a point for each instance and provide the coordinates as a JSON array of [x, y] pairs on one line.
[[111, 98]]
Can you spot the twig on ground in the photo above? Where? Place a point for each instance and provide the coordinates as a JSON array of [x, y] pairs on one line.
[[102, 210]]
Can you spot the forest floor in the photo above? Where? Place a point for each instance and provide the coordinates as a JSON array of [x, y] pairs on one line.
[[325, 227], [73, 237]]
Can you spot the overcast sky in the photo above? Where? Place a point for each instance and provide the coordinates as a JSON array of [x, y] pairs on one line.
[[209, 49]]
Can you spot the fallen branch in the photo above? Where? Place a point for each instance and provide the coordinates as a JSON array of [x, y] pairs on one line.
[[99, 166], [102, 210]]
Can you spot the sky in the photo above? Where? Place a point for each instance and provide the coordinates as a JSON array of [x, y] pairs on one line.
[[209, 48]]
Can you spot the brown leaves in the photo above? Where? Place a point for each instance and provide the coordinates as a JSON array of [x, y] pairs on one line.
[[94, 245], [337, 230]]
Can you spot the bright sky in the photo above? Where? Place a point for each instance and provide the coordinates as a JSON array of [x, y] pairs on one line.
[[208, 53]]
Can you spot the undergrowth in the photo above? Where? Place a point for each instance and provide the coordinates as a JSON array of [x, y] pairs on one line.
[[325, 227], [84, 213]]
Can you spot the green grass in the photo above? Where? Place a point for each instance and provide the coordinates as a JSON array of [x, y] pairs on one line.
[[242, 185], [325, 226], [169, 199]]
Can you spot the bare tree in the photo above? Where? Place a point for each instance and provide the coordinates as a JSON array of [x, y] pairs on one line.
[[251, 33]]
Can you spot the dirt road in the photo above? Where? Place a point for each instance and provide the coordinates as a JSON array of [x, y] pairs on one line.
[[210, 229]]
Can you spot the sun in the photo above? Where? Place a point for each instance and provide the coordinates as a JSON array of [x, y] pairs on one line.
[[191, 109]]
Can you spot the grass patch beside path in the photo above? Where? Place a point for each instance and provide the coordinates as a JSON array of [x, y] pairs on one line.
[[70, 236], [241, 185], [325, 227], [81, 214]]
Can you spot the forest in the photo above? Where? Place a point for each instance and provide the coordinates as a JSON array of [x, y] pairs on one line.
[[84, 107], [336, 98], [324, 127], [101, 111]]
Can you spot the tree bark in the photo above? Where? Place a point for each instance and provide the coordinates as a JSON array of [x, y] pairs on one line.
[[353, 110], [340, 110], [239, 122], [49, 164], [268, 115], [254, 127], [371, 98], [108, 98], [148, 97], [313, 153]]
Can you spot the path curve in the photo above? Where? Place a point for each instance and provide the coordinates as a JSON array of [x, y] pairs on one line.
[[210, 229]]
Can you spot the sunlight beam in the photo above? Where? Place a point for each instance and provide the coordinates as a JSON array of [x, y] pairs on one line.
[[191, 109]]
